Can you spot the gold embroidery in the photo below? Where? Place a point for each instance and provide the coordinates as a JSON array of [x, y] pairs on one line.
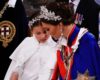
[[3, 9], [7, 32], [85, 76]]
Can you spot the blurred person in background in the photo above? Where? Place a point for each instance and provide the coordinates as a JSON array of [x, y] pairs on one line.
[[13, 29]]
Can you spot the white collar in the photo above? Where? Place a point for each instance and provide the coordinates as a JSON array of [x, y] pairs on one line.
[[11, 3], [75, 2], [97, 1], [80, 34], [28, 47], [51, 42]]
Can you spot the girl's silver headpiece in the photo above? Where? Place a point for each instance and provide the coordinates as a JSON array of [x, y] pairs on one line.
[[31, 22], [48, 15]]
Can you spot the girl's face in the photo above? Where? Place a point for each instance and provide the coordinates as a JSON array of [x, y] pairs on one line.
[[40, 34], [54, 31]]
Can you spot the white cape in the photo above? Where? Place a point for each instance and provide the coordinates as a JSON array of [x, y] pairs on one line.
[[27, 49], [22, 53]]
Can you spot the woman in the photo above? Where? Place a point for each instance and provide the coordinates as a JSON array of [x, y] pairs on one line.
[[33, 59], [80, 59]]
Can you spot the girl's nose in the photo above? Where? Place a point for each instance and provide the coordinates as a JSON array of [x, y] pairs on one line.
[[43, 35]]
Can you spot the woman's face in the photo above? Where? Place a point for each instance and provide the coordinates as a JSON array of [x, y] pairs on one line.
[[54, 31], [40, 34]]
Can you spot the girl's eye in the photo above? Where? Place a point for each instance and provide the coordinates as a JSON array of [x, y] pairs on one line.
[[48, 29], [44, 31], [38, 33]]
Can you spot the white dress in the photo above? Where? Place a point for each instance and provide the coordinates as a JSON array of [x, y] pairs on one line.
[[33, 61]]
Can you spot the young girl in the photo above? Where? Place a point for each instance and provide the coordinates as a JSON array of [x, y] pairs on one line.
[[33, 59]]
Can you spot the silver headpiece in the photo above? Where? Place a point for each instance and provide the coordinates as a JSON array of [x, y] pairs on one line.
[[48, 15], [33, 21]]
